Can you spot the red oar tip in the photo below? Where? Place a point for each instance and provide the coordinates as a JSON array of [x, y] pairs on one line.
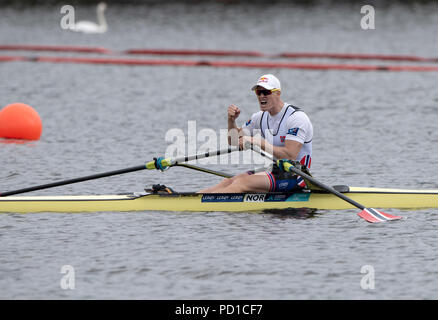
[[373, 215]]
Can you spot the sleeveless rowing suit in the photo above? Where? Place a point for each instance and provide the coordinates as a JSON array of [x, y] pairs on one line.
[[291, 123]]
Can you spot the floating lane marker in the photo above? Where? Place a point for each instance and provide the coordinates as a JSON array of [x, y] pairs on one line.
[[356, 56], [222, 53], [188, 52], [54, 48], [223, 64]]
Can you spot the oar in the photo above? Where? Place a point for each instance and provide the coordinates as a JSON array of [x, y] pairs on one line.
[[206, 170], [369, 214], [160, 163]]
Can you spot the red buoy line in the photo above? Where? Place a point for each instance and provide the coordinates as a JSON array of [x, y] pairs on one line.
[[229, 64], [222, 53], [12, 58], [116, 61], [357, 56], [188, 52]]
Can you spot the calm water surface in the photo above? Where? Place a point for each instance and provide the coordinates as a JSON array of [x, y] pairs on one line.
[[371, 129]]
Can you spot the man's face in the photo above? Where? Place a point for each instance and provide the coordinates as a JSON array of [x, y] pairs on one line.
[[267, 98]]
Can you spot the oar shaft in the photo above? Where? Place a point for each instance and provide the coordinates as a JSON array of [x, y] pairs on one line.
[[290, 167], [71, 181], [369, 214], [216, 173]]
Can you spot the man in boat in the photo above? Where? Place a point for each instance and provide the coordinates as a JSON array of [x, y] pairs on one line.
[[279, 128]]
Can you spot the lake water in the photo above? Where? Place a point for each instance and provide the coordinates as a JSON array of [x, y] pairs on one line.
[[376, 129]]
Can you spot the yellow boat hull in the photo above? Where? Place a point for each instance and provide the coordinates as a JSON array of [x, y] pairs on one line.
[[369, 197]]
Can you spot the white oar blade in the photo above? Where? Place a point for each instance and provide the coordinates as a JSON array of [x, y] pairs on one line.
[[372, 215]]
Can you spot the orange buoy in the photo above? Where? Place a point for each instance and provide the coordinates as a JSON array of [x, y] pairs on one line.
[[20, 121]]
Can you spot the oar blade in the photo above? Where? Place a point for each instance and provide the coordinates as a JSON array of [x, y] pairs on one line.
[[372, 215]]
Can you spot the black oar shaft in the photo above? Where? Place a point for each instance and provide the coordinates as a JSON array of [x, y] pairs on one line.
[[75, 180], [217, 173], [323, 186], [369, 214]]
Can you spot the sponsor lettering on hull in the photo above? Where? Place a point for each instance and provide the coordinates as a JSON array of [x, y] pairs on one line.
[[256, 197], [222, 198]]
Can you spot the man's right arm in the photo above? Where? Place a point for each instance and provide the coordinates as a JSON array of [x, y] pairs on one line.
[[233, 131]]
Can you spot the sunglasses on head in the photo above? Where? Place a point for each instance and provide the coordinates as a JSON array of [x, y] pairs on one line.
[[264, 91]]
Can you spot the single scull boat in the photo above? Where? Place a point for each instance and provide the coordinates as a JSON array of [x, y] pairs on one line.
[[317, 196], [145, 201]]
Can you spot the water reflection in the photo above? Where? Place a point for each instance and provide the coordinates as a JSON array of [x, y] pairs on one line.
[[292, 213]]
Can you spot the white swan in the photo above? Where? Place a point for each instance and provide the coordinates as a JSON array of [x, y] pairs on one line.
[[91, 27]]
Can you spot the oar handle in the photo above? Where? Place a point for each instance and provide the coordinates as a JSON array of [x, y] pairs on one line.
[[162, 163]]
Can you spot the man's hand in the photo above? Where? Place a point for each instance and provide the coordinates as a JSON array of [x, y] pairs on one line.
[[233, 112], [243, 140]]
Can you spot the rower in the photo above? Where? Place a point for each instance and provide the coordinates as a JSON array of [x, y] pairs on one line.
[[279, 128]]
